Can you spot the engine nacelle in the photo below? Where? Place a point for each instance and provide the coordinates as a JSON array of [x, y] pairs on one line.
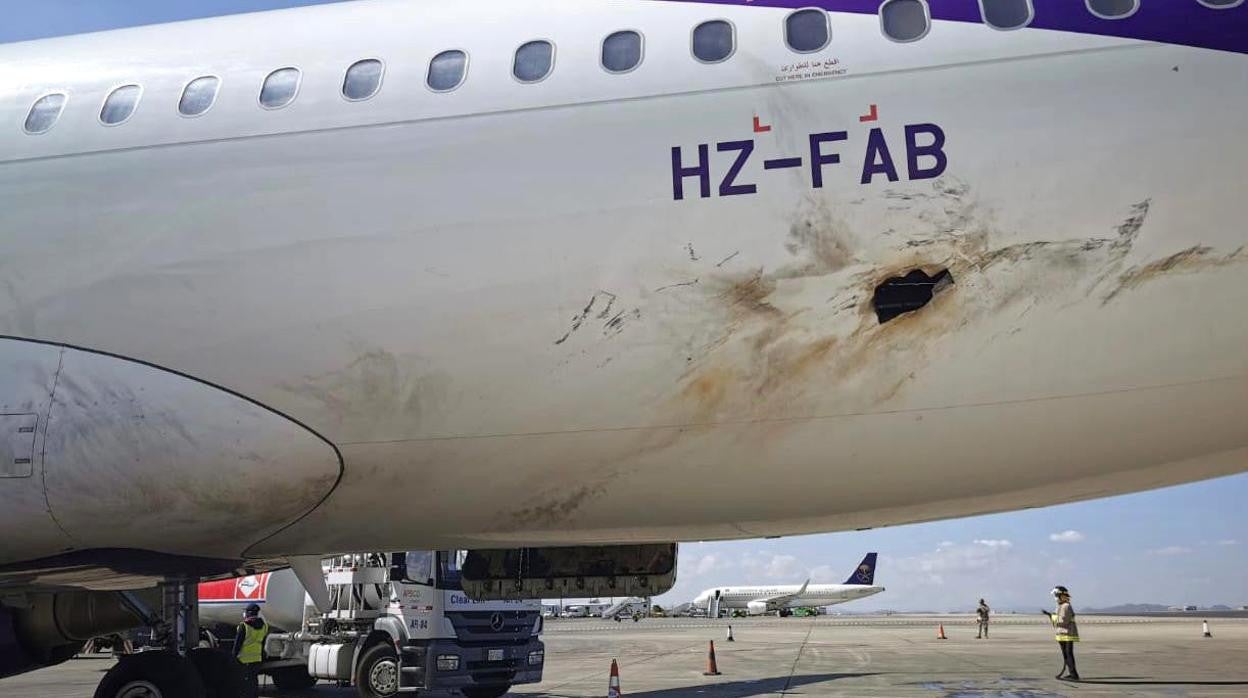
[[756, 608], [50, 628]]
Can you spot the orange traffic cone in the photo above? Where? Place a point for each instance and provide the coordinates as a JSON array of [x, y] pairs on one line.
[[940, 632], [712, 667], [613, 683]]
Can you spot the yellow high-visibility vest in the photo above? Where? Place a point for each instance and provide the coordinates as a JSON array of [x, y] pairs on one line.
[[252, 651], [1069, 633]]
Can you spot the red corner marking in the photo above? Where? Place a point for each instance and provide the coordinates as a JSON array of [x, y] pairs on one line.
[[759, 128], [874, 115]]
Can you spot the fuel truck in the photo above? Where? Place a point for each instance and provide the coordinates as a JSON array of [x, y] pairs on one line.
[[395, 623]]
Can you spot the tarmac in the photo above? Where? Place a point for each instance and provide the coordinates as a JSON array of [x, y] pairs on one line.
[[895, 656]]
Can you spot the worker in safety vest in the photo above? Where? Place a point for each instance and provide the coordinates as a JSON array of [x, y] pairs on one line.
[[249, 638], [1067, 632], [981, 618]]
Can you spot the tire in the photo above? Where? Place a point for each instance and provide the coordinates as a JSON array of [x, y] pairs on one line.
[[222, 675], [377, 675], [207, 639], [293, 678], [485, 691], [151, 675]]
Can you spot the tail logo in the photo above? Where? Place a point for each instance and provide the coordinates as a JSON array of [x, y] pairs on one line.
[[864, 573]]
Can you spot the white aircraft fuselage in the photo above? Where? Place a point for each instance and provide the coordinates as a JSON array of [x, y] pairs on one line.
[[815, 595], [499, 315]]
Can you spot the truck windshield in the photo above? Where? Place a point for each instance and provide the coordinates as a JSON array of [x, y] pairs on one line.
[[414, 566], [449, 576]]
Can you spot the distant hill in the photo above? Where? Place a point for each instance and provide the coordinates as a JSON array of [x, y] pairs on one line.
[[1136, 608], [1130, 609]]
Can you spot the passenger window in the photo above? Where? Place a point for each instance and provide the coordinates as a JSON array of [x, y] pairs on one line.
[[806, 31], [44, 113], [1113, 9], [120, 105], [905, 20], [198, 96], [533, 61], [1221, 4], [714, 41], [447, 71], [1006, 14], [280, 88], [363, 80], [621, 51]]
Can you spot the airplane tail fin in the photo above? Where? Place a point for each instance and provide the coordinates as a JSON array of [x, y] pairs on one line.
[[865, 573]]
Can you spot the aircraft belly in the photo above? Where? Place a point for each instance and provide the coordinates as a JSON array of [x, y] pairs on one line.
[[776, 478]]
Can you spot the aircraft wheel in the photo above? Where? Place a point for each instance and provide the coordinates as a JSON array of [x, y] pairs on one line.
[[292, 678], [485, 691], [207, 639], [222, 675], [378, 673], [151, 675]]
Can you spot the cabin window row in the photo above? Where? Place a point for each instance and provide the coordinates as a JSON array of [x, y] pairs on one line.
[[621, 52], [714, 41]]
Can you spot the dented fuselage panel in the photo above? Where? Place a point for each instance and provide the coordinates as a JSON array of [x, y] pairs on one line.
[[509, 317]]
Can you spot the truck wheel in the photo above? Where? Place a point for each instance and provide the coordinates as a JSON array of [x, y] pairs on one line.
[[151, 675], [485, 691], [292, 678], [378, 673], [222, 675]]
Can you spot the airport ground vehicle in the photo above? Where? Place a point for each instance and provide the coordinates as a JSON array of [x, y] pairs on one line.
[[399, 623], [633, 607]]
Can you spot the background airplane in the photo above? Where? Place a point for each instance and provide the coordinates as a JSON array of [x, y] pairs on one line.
[[758, 600]]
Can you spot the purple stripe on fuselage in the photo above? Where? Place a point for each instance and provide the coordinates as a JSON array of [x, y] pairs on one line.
[[1184, 22]]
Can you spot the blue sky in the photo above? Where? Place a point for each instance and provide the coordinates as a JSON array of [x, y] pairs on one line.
[[1183, 545], [1180, 545]]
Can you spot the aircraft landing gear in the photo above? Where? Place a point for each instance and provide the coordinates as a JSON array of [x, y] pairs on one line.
[[176, 667], [152, 674]]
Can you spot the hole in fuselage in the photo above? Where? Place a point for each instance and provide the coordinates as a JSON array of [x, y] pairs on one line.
[[906, 294]]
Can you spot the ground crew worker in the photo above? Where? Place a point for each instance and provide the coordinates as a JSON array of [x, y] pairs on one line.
[[981, 617], [249, 640], [1067, 632]]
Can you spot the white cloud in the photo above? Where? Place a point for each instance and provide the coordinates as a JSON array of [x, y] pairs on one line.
[[706, 564], [953, 562], [1170, 550], [771, 567], [1070, 536], [1228, 541], [783, 567], [825, 574]]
